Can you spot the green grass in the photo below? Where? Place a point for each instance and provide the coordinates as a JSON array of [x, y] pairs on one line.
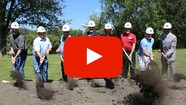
[[54, 71], [180, 60]]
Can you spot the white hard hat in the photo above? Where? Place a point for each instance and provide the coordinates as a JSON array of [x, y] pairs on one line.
[[66, 27], [15, 25], [108, 26], [91, 23], [167, 25], [41, 29], [128, 25], [149, 30]]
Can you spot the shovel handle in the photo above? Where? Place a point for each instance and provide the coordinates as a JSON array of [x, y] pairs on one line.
[[127, 55], [43, 60], [61, 58]]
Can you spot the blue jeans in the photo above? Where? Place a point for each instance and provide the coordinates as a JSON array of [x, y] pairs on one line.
[[42, 68], [20, 63]]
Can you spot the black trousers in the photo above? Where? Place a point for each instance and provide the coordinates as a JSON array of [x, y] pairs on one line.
[[64, 76], [126, 65]]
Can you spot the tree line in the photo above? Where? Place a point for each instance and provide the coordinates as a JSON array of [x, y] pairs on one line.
[[141, 13]]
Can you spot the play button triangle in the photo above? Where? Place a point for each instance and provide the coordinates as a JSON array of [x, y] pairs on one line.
[[92, 56]]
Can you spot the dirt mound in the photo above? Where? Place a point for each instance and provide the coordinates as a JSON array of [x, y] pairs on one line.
[[42, 91], [16, 75], [146, 89], [126, 92]]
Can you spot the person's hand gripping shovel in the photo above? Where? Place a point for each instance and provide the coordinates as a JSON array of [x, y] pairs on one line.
[[40, 78], [16, 75], [131, 63], [164, 55]]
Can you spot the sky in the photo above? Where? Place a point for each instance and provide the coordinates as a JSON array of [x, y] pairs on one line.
[[79, 11]]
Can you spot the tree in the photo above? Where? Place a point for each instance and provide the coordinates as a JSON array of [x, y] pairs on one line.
[[141, 13], [145, 13], [76, 32], [29, 12], [174, 11]]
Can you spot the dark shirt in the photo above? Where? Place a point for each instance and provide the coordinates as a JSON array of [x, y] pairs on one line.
[[105, 34], [18, 42], [94, 33]]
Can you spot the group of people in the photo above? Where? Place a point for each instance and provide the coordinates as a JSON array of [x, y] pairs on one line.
[[42, 46], [145, 51]]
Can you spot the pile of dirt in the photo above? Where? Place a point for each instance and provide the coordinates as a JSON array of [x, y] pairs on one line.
[[126, 92], [42, 91], [16, 75], [145, 89]]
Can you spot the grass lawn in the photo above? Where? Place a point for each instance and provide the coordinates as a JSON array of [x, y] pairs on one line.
[[54, 71]]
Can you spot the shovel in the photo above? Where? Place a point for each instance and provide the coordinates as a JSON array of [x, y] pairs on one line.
[[40, 78], [131, 63], [17, 76], [62, 58], [72, 83]]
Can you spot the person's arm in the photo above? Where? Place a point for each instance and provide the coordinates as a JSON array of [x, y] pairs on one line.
[[151, 52], [21, 46], [18, 53], [172, 48], [49, 47], [37, 49], [151, 55], [133, 47], [145, 52], [48, 51], [160, 47], [58, 49], [11, 51], [40, 56]]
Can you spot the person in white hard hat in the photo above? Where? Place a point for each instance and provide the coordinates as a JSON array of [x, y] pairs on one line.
[[107, 30], [18, 46], [41, 48], [91, 32], [91, 26], [66, 34], [168, 51], [128, 40], [145, 53]]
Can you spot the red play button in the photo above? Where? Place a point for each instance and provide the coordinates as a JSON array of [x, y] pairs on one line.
[[93, 57]]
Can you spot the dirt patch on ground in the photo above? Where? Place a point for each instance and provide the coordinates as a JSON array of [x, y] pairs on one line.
[[126, 92]]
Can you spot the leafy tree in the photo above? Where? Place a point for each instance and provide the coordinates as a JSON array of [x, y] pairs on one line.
[[55, 41], [146, 13], [76, 32], [174, 11], [29, 12]]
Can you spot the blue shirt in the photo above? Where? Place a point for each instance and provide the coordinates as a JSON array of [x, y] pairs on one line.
[[62, 44], [41, 45], [147, 44]]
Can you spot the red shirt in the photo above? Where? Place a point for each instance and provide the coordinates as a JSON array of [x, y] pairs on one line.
[[128, 41]]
